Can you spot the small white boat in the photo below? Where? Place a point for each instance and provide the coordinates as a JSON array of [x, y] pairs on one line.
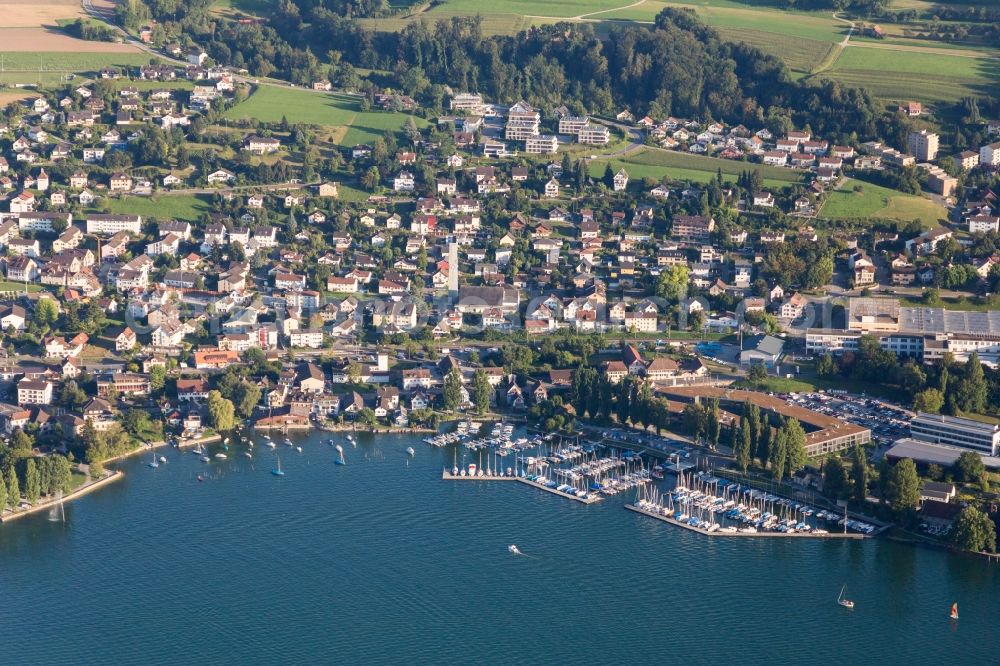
[[410, 451], [163, 459], [206, 459], [220, 456], [299, 449], [248, 454], [513, 549], [846, 603], [270, 444]]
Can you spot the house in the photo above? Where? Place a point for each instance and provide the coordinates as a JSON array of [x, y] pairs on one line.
[[221, 176], [261, 145], [34, 392], [620, 180], [793, 306], [125, 340], [552, 188], [403, 182]]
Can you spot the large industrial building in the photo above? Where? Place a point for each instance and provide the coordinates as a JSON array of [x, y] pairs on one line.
[[919, 332]]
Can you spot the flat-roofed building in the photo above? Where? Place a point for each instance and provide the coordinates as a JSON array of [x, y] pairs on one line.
[[956, 431]]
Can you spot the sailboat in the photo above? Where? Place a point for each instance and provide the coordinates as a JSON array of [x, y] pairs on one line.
[[278, 471], [846, 603], [350, 438], [954, 611], [340, 456], [153, 463]]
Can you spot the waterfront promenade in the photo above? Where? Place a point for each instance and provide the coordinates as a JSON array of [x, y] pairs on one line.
[[85, 488]]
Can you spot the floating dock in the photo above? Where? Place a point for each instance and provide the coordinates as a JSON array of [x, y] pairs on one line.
[[448, 476], [719, 533], [591, 497]]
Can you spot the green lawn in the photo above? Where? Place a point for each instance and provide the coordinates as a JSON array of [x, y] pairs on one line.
[[655, 164], [881, 202], [6, 285], [188, 207]]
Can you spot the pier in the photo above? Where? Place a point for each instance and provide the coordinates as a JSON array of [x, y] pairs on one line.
[[448, 476], [591, 498], [720, 533]]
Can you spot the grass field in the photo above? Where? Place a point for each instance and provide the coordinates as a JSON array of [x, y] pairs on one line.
[[655, 164], [252, 7], [188, 207], [270, 104], [55, 61], [874, 201], [925, 76]]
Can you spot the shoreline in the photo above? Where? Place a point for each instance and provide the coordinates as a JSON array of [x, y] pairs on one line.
[[85, 489]]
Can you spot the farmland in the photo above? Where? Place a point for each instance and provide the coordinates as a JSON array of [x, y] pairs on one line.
[[271, 104], [808, 42], [924, 75], [657, 164], [874, 201]]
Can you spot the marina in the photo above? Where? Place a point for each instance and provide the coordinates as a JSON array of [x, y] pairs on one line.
[[717, 507]]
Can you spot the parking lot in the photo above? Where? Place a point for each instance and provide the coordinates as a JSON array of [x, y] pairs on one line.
[[887, 422]]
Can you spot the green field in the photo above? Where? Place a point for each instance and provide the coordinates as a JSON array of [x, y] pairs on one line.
[[252, 7], [188, 207], [902, 75], [655, 164], [32, 62], [271, 104], [874, 201]]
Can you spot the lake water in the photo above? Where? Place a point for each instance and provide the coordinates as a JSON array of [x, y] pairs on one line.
[[381, 561]]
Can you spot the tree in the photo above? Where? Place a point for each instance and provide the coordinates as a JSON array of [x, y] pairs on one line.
[[221, 412], [46, 312], [32, 482], [13, 488], [859, 474], [21, 444], [777, 453], [367, 417], [795, 446], [672, 284], [969, 467], [245, 397], [742, 450], [973, 530], [157, 378], [834, 479], [903, 488], [481, 391], [929, 400], [3, 494], [452, 395], [972, 390], [757, 374]]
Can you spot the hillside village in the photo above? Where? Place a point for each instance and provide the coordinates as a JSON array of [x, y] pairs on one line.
[[307, 308]]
